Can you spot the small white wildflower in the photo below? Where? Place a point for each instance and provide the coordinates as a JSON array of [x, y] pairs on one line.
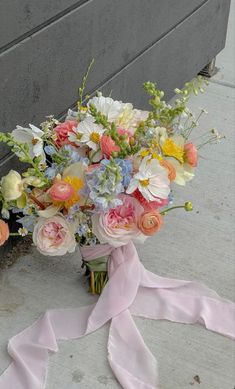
[[23, 231]]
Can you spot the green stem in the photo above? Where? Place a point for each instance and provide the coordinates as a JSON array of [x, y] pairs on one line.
[[170, 209], [17, 233]]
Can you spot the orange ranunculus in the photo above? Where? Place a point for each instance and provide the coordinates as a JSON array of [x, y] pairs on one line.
[[150, 222], [4, 232], [191, 154], [170, 168]]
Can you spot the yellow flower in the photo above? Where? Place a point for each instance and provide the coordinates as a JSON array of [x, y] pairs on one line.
[[77, 184], [171, 149]]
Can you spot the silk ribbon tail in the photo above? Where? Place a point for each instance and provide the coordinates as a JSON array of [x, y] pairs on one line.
[[185, 302], [131, 361], [29, 349]]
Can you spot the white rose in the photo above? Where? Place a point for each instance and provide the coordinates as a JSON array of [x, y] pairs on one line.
[[54, 236]]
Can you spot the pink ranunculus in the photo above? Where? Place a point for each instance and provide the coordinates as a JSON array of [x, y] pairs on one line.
[[191, 154], [54, 236], [62, 132], [119, 225], [108, 146], [61, 191]]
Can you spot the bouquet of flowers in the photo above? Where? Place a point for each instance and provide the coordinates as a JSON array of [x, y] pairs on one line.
[[99, 180], [102, 176]]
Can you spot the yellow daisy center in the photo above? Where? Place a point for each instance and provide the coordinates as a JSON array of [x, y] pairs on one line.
[[95, 137], [77, 184], [171, 149], [144, 182]]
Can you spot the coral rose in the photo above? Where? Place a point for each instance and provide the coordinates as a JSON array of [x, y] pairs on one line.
[[191, 154], [108, 146], [54, 236], [4, 232], [150, 222], [118, 225], [170, 169], [62, 132]]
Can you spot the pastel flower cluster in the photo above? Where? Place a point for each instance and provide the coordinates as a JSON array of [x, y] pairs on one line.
[[104, 175]]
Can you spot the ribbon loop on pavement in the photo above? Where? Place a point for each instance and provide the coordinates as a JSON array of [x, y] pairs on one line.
[[131, 289]]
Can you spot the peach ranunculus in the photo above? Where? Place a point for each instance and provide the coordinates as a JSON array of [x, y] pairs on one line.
[[54, 236], [108, 146], [61, 191], [191, 154], [62, 132], [150, 222], [4, 232], [118, 225], [170, 169]]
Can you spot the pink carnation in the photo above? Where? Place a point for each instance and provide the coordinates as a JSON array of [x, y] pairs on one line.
[[119, 225], [191, 154], [148, 205], [62, 132], [108, 146]]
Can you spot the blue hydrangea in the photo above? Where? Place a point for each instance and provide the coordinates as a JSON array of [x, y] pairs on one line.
[[105, 184], [126, 166]]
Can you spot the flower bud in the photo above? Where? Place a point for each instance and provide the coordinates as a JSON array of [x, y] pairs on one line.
[[188, 206]]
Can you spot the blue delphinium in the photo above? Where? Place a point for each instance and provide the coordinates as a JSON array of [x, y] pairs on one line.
[[52, 171], [105, 184], [72, 155], [49, 150]]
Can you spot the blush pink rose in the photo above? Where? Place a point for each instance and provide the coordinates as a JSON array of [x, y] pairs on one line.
[[62, 132], [4, 232], [54, 236], [119, 225], [108, 146], [61, 191], [191, 154]]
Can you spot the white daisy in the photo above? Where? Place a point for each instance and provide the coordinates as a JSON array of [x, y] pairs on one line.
[[151, 180], [33, 137], [112, 109], [87, 132]]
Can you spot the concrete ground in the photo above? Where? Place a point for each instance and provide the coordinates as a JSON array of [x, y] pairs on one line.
[[194, 246]]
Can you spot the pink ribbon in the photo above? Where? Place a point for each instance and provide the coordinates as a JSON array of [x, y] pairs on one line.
[[131, 290]]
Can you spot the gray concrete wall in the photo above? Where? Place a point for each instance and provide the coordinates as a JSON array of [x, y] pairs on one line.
[[46, 46]]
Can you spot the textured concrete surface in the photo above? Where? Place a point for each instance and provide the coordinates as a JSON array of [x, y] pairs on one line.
[[198, 245]]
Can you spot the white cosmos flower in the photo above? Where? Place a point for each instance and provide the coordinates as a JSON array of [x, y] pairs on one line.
[[87, 132], [151, 180], [112, 109], [33, 137]]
